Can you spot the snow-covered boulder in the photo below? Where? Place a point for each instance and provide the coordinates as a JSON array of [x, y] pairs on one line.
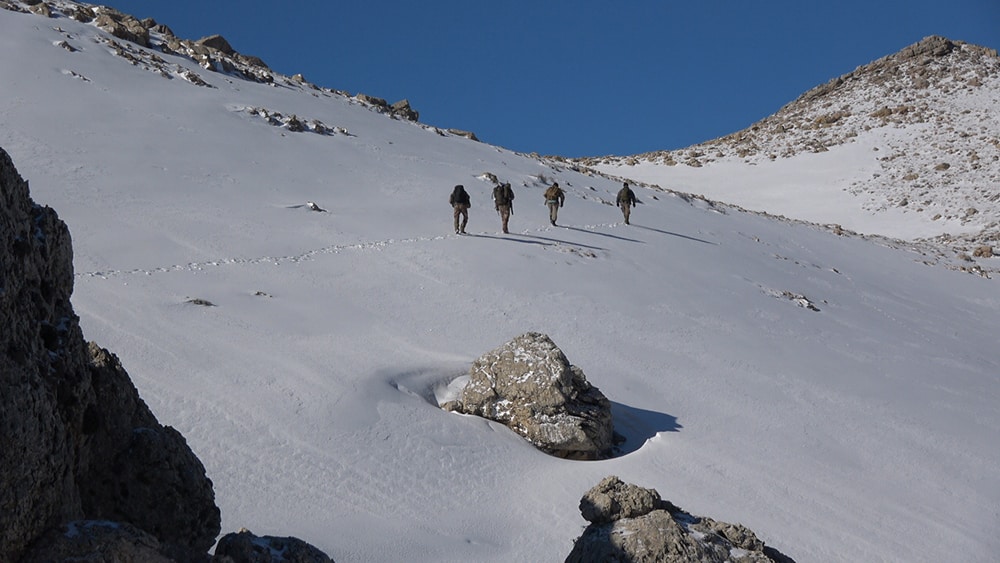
[[528, 385], [631, 523]]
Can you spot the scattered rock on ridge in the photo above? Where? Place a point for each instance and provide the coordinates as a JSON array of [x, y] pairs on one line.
[[122, 26], [984, 251], [461, 133], [402, 109], [528, 385], [631, 523]]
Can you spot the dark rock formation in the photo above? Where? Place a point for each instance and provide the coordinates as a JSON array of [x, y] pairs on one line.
[[79, 442], [244, 547], [631, 523], [528, 385], [96, 540]]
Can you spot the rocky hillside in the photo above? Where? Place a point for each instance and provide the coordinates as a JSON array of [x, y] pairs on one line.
[[140, 43], [931, 108]]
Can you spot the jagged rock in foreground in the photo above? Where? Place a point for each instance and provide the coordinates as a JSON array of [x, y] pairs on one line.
[[528, 385], [78, 441], [631, 523], [96, 540], [244, 547]]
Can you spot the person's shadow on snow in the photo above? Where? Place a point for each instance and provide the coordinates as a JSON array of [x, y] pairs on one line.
[[675, 234], [637, 426]]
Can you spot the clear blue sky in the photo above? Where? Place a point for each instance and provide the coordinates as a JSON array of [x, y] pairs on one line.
[[580, 78]]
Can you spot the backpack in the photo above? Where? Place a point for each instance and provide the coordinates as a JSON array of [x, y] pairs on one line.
[[626, 196], [552, 193], [459, 195], [503, 195]]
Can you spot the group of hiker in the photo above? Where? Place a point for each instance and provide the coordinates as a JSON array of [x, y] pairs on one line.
[[503, 202]]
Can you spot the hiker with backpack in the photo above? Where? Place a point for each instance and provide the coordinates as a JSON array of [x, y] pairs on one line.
[[554, 198], [460, 203], [503, 200], [626, 200]]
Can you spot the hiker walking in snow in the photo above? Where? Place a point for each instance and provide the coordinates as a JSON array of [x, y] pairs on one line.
[[626, 200], [554, 198], [503, 200], [460, 202]]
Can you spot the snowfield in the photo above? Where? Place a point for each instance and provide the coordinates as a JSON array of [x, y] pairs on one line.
[[835, 394]]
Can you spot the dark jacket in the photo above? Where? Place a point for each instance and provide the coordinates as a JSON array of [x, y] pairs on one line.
[[626, 197]]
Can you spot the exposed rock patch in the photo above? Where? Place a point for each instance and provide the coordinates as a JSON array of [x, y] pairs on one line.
[[528, 385]]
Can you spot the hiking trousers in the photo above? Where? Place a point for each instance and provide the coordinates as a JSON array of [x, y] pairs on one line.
[[626, 211], [504, 211], [553, 211], [461, 211]]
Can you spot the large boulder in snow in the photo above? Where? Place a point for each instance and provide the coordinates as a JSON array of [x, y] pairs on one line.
[[528, 385], [78, 441], [631, 523]]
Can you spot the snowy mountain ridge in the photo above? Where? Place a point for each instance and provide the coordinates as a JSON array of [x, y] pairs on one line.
[[289, 295], [924, 112], [927, 118]]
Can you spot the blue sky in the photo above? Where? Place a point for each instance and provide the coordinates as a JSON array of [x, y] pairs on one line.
[[581, 78]]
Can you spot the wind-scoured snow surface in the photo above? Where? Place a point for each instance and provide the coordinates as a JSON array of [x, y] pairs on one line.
[[834, 394]]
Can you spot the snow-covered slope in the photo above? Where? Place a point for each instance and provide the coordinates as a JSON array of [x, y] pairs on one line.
[[832, 393], [907, 146]]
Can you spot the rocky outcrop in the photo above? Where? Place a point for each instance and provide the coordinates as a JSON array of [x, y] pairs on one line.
[[217, 42], [245, 547], [122, 26], [462, 133], [402, 109], [96, 540], [79, 442], [632, 523], [215, 53], [528, 385]]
